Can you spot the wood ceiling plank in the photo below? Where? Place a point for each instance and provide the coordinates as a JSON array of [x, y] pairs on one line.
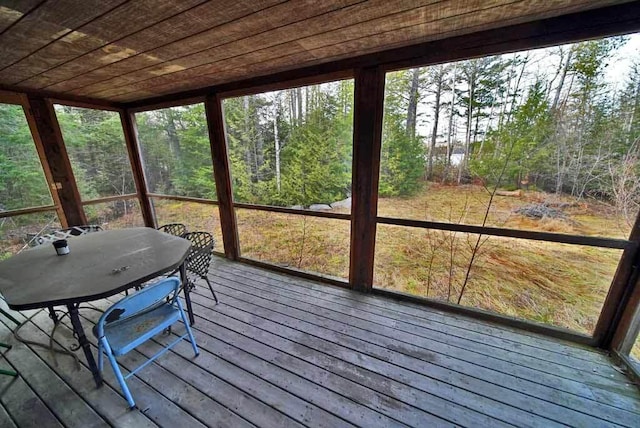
[[213, 40], [448, 27], [12, 11], [126, 19], [46, 24], [295, 27], [192, 21], [425, 20], [426, 16]]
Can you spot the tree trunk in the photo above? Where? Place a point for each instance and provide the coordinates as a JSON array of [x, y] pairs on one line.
[[412, 110], [447, 163], [436, 119], [563, 76], [467, 142], [299, 99], [277, 150]]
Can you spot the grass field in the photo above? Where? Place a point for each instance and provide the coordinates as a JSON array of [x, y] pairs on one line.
[[558, 284]]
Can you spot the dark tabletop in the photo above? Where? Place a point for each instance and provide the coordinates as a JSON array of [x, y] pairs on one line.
[[99, 265]]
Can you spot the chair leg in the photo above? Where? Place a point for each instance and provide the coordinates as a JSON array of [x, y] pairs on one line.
[[118, 373], [211, 288], [100, 357], [189, 332]]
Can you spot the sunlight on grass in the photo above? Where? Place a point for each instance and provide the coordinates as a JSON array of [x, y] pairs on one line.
[[196, 216], [308, 243], [558, 284], [467, 204]]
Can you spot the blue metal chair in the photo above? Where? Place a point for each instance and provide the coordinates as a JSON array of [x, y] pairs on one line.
[[136, 319]]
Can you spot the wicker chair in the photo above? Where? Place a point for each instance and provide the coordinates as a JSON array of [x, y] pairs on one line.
[[175, 229], [199, 259]]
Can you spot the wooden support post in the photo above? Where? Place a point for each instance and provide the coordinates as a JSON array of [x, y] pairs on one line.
[[222, 173], [367, 137], [49, 134], [622, 304], [133, 147]]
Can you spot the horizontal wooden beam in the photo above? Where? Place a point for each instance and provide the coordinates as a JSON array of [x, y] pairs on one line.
[[569, 28], [183, 198], [168, 104], [66, 99], [31, 210], [547, 330], [110, 199], [309, 213], [591, 241], [10, 97], [326, 279]]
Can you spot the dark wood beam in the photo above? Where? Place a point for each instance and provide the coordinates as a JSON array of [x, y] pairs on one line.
[[133, 147], [619, 310], [367, 137], [64, 183], [222, 173], [66, 99], [574, 27]]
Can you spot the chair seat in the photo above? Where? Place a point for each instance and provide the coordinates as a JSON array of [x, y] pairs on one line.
[[125, 335]]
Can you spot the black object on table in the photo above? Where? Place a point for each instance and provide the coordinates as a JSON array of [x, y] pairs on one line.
[[98, 265]]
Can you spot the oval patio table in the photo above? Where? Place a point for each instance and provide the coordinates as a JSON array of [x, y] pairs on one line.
[[98, 265]]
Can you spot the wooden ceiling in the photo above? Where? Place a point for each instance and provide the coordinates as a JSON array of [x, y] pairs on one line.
[[129, 50]]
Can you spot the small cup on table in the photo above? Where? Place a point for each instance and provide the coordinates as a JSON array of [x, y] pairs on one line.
[[61, 246]]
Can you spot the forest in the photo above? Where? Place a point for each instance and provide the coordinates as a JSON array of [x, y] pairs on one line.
[[546, 139]]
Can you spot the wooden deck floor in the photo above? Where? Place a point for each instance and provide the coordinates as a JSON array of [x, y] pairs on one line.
[[279, 351]]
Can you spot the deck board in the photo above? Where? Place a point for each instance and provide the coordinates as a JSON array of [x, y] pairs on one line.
[[449, 347], [445, 368], [281, 351]]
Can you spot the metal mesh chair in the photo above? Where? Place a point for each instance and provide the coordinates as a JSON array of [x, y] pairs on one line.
[[199, 258], [66, 233], [175, 229]]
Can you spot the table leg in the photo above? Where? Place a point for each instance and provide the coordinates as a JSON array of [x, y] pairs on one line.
[[84, 343], [53, 315], [187, 290]]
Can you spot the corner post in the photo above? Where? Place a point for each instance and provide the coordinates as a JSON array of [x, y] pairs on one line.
[[64, 183], [222, 173], [130, 131], [619, 318], [367, 140]]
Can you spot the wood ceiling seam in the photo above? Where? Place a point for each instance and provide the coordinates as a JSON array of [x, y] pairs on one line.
[[155, 47], [276, 45], [111, 42], [302, 50], [109, 92], [22, 17], [207, 48], [447, 34], [62, 35]]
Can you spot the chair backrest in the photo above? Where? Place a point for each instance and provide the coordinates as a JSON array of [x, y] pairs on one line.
[[65, 233], [176, 229], [199, 257], [140, 302]]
